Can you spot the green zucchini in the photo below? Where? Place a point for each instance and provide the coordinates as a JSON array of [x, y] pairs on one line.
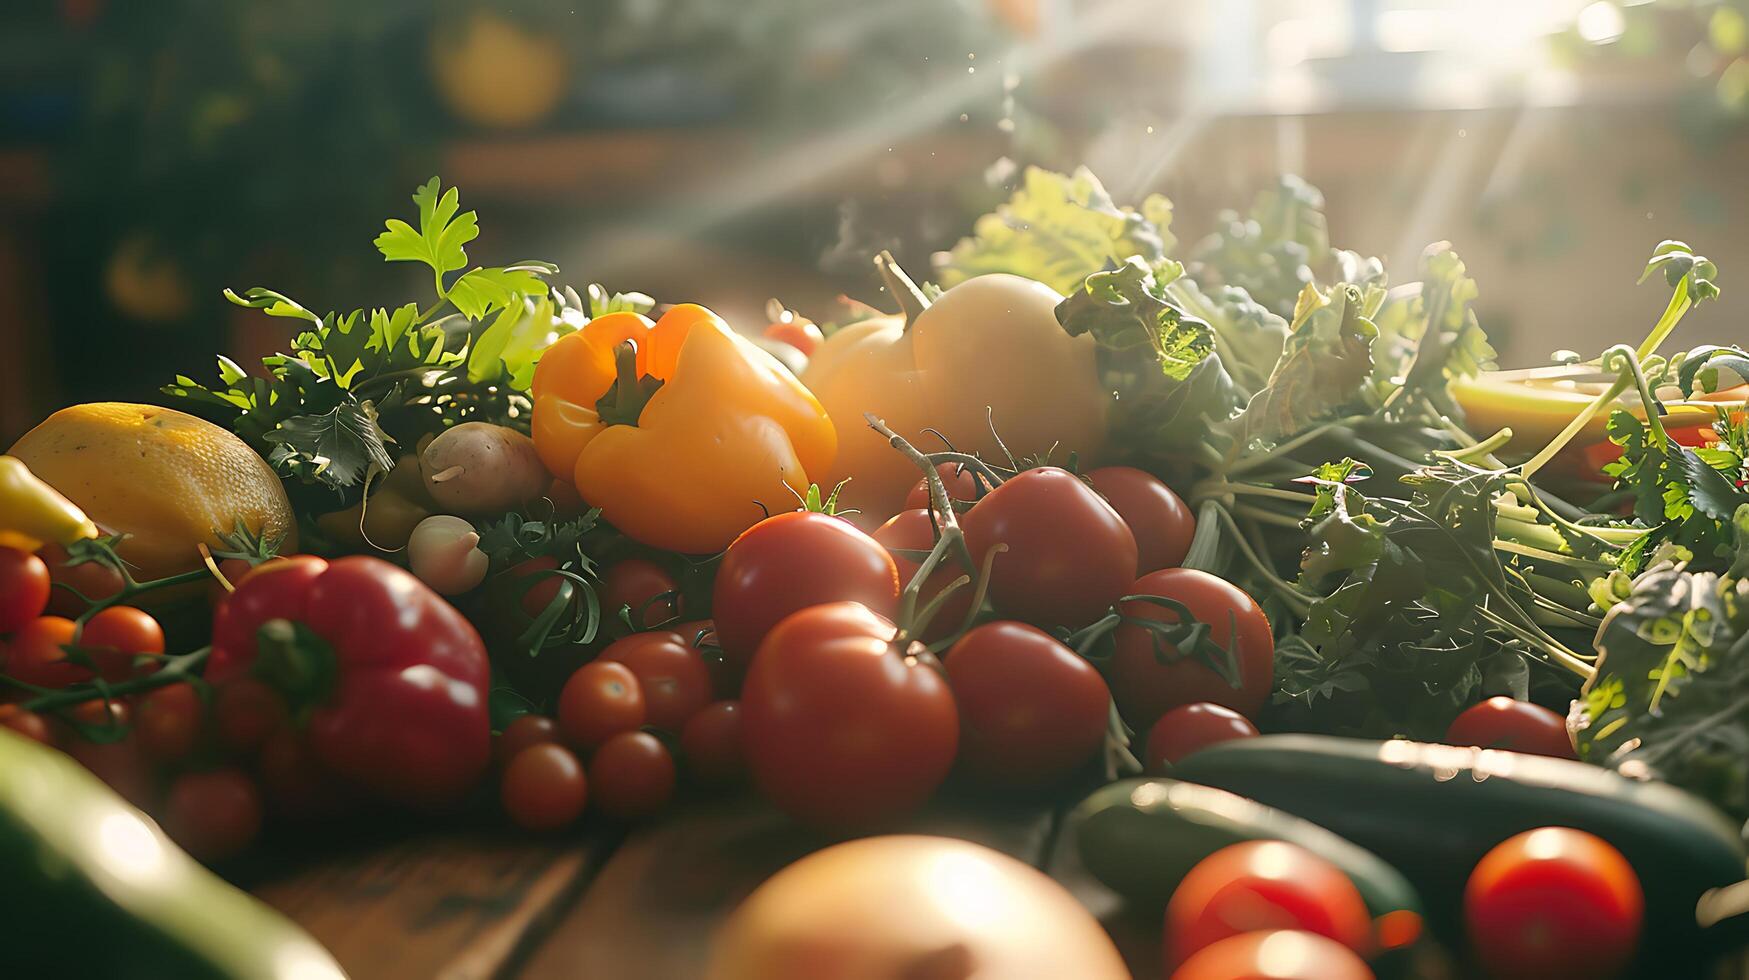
[[1433, 811], [94, 889], [1142, 836]]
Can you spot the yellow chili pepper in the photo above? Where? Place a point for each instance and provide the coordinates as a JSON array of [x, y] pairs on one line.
[[33, 514], [681, 431]]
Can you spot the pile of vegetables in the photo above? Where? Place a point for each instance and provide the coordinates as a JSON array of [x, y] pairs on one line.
[[1096, 504]]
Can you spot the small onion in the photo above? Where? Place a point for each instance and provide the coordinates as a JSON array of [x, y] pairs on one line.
[[444, 553]]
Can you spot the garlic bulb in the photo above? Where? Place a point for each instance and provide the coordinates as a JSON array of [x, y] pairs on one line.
[[443, 552]]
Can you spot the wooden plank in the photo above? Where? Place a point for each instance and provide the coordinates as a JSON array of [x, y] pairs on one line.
[[456, 905], [653, 908]]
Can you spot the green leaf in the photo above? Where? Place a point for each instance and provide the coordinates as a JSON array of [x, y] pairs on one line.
[[1701, 366], [1324, 367], [1450, 344], [1059, 229], [441, 236], [334, 448], [480, 292], [272, 303], [510, 347]]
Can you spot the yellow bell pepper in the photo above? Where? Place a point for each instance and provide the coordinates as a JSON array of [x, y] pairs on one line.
[[33, 514], [684, 433], [988, 349]]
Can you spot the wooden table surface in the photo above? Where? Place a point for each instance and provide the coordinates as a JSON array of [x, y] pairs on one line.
[[610, 904]]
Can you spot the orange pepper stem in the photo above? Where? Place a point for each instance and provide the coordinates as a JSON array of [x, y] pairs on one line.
[[911, 300], [626, 398]]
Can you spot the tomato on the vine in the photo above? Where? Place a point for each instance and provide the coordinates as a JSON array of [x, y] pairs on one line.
[[671, 673], [631, 776], [1261, 885], [116, 636], [1151, 675], [524, 731], [844, 727], [168, 721], [1070, 556], [713, 745], [93, 580], [120, 764], [214, 814], [912, 530], [1554, 902], [27, 723], [1162, 524], [790, 562], [956, 478], [35, 655], [101, 713], [643, 587], [533, 585], [1507, 723], [544, 787], [1285, 954], [601, 700], [1190, 727], [1031, 710], [24, 588]]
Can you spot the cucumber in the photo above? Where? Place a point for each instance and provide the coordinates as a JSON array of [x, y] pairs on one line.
[[1142, 836], [1433, 811]]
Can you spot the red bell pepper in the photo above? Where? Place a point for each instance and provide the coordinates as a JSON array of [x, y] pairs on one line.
[[386, 680]]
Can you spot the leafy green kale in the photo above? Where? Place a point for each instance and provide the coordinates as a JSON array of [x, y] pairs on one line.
[[1058, 229], [1324, 366], [1671, 694], [1278, 248]]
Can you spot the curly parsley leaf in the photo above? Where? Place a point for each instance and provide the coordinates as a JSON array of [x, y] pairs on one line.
[[1324, 366]]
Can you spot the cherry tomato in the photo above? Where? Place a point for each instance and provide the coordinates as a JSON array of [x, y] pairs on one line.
[[167, 721], [790, 562], [956, 478], [99, 713], [1070, 556], [1554, 902], [713, 743], [26, 723], [1259, 885], [1505, 723], [1189, 727], [635, 583], [631, 776], [1146, 688], [120, 764], [600, 700], [697, 632], [535, 591], [800, 334], [671, 674], [213, 815], [523, 732], [24, 588], [1031, 710], [544, 787], [119, 634], [246, 712], [1280, 955], [1162, 524], [91, 579], [912, 530], [843, 727], [35, 655]]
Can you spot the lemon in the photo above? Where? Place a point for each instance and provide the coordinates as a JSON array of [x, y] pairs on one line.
[[166, 479]]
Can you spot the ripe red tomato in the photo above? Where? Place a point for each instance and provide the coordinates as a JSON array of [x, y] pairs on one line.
[[121, 766], [956, 478], [26, 723], [843, 728], [523, 732], [671, 673], [1146, 688], [1282, 955], [246, 712], [24, 588], [534, 591], [1031, 710], [1189, 727], [635, 583], [1070, 556], [167, 721], [35, 655], [1162, 524], [600, 700], [1505, 723], [90, 579], [213, 815], [713, 745], [800, 334], [790, 562], [912, 530], [1260, 885], [119, 634], [631, 776], [100, 713], [544, 787], [1554, 902]]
